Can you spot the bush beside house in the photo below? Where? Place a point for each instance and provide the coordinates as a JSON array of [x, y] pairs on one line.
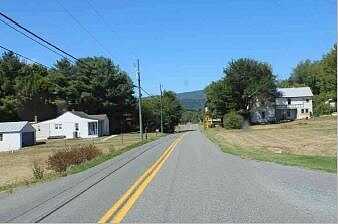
[[233, 120]]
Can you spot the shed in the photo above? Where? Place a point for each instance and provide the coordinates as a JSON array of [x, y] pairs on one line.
[[15, 135]]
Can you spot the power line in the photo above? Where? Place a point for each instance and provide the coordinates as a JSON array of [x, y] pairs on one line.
[[100, 16], [38, 37], [147, 92], [84, 28], [20, 55], [106, 24], [19, 31], [42, 39]]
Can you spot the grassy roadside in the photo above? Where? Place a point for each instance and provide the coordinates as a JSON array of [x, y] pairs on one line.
[[75, 169], [100, 159], [315, 162]]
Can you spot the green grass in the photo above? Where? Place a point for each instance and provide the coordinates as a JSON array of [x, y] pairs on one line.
[[100, 159], [324, 163], [10, 188]]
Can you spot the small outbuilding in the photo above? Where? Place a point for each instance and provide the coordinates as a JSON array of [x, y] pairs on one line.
[[15, 135]]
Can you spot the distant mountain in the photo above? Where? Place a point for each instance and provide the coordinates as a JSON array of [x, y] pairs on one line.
[[192, 100]]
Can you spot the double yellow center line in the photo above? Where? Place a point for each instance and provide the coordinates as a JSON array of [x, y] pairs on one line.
[[120, 209]]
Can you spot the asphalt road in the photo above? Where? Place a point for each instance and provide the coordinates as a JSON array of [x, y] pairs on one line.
[[197, 183]]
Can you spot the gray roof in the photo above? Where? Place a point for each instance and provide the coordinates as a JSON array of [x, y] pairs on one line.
[[87, 116], [295, 92], [12, 126], [98, 116]]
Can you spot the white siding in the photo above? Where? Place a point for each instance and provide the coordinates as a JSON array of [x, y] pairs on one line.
[[11, 141], [67, 122], [42, 130], [298, 103]]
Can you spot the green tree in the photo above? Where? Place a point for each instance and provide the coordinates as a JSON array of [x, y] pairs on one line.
[[328, 78], [191, 116], [172, 112], [218, 99], [249, 81], [307, 73], [33, 94], [8, 109]]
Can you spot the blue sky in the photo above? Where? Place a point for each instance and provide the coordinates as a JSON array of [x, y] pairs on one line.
[[182, 44]]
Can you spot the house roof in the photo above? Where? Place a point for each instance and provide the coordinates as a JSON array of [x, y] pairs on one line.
[[12, 126], [87, 116], [295, 92], [98, 116]]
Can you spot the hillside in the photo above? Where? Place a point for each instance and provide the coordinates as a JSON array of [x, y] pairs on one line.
[[192, 100]]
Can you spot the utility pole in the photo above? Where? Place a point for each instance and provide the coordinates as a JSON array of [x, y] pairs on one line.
[[139, 99], [161, 109]]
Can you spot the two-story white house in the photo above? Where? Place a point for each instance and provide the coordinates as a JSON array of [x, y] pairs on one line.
[[73, 124], [290, 104], [294, 103]]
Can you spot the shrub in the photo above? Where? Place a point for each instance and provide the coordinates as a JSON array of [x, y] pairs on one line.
[[37, 171], [75, 155], [232, 120]]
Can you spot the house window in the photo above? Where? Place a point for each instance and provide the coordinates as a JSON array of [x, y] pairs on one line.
[[307, 110], [58, 126], [1, 137], [289, 113], [263, 114], [289, 101], [307, 100], [302, 111], [92, 128], [76, 126]]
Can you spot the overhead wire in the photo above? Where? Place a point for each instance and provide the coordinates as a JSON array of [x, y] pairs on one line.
[[22, 56], [84, 28], [38, 37], [19, 31]]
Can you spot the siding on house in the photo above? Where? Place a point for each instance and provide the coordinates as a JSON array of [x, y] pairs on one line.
[[73, 124], [291, 104], [303, 105], [15, 135], [10, 141]]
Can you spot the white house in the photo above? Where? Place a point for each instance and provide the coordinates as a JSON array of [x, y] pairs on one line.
[[73, 124], [290, 104], [15, 135]]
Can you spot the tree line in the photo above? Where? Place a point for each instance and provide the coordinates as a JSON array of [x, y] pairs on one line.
[[247, 81], [94, 85], [320, 76]]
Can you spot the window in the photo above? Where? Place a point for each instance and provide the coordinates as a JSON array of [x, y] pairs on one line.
[[1, 137], [92, 128], [302, 111], [307, 100], [307, 110], [263, 114], [76, 126], [289, 113], [289, 101], [58, 126]]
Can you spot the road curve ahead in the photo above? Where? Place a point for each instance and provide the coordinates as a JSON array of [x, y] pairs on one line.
[[199, 183], [179, 178]]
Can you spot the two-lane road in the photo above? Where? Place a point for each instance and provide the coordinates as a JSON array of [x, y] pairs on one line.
[[179, 178]]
